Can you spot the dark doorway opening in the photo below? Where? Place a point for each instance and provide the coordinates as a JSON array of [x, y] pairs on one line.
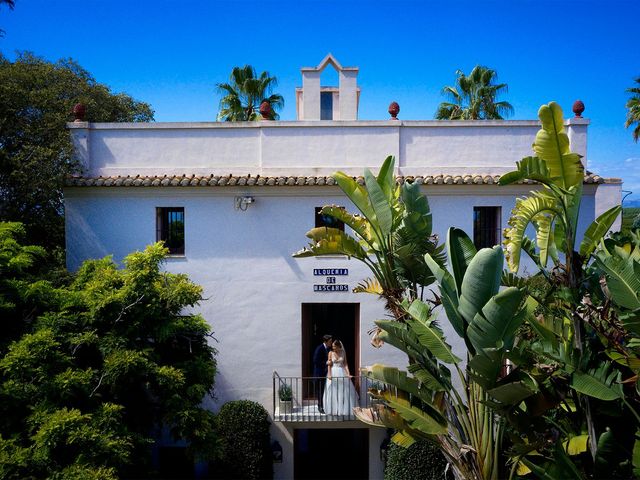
[[342, 320], [341, 453]]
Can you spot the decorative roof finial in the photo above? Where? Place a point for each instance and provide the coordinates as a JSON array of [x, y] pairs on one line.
[[79, 111], [578, 108], [266, 111], [394, 109]]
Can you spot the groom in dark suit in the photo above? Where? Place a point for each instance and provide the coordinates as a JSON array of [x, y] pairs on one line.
[[320, 356]]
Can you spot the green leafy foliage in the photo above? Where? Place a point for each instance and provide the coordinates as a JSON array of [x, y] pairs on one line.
[[474, 97], [553, 211], [421, 461], [242, 95], [633, 109], [243, 427], [422, 402], [578, 352], [105, 364], [391, 236], [22, 296], [36, 154]]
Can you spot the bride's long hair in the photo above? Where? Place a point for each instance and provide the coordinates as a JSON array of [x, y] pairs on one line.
[[339, 347]]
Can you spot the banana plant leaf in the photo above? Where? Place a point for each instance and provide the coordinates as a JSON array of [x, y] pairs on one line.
[[357, 223], [481, 281], [448, 295], [397, 335], [623, 278], [417, 418], [485, 367], [631, 321], [552, 146], [403, 439], [357, 194], [597, 230], [387, 178], [600, 383], [331, 241], [560, 468], [440, 383], [406, 384], [510, 279], [369, 285], [576, 444], [525, 211], [380, 205], [543, 326], [460, 250], [433, 339], [512, 393], [419, 220], [544, 237], [498, 321], [532, 168], [410, 266], [529, 247]]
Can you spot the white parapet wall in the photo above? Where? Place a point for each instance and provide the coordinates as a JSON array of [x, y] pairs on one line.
[[309, 147]]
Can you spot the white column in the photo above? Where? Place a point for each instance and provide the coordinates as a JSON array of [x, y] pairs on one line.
[[348, 95], [311, 95]]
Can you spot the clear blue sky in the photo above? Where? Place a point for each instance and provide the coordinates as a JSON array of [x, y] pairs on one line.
[[171, 54]]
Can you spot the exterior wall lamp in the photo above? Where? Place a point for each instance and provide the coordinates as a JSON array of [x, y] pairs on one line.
[[276, 451], [242, 203]]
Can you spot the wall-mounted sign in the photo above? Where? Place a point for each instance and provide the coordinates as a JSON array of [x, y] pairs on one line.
[[331, 285], [331, 288], [330, 271]]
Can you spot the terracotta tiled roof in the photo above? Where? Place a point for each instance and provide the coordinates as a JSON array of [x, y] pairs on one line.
[[250, 180]]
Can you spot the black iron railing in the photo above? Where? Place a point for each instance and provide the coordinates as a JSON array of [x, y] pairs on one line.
[[314, 399]]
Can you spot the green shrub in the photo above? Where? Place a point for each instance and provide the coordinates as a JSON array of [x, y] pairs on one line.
[[243, 428], [630, 219], [421, 461]]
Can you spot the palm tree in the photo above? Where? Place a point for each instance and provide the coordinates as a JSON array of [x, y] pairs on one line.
[[245, 92], [633, 115], [474, 97]]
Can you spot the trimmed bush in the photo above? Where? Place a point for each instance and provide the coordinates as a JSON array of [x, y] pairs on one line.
[[421, 461], [243, 429]]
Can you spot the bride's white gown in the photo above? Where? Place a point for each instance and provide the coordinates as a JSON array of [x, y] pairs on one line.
[[340, 396]]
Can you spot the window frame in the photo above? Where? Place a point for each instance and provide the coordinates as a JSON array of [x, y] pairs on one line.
[[164, 225], [487, 229]]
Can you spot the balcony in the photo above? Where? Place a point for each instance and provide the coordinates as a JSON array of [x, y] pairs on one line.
[[295, 399]]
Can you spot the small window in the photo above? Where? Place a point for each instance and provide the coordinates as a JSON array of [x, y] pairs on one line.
[[487, 227], [328, 221], [326, 105], [170, 228]]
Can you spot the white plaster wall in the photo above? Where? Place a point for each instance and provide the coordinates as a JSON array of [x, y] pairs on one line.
[[608, 196], [452, 149], [243, 260], [308, 147], [253, 287], [319, 151], [174, 151]]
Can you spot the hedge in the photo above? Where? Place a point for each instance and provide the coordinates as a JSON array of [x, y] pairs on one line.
[[420, 461], [243, 429]]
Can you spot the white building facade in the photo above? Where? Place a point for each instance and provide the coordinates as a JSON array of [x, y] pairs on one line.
[[247, 192]]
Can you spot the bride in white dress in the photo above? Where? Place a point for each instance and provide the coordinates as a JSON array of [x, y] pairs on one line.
[[340, 396]]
